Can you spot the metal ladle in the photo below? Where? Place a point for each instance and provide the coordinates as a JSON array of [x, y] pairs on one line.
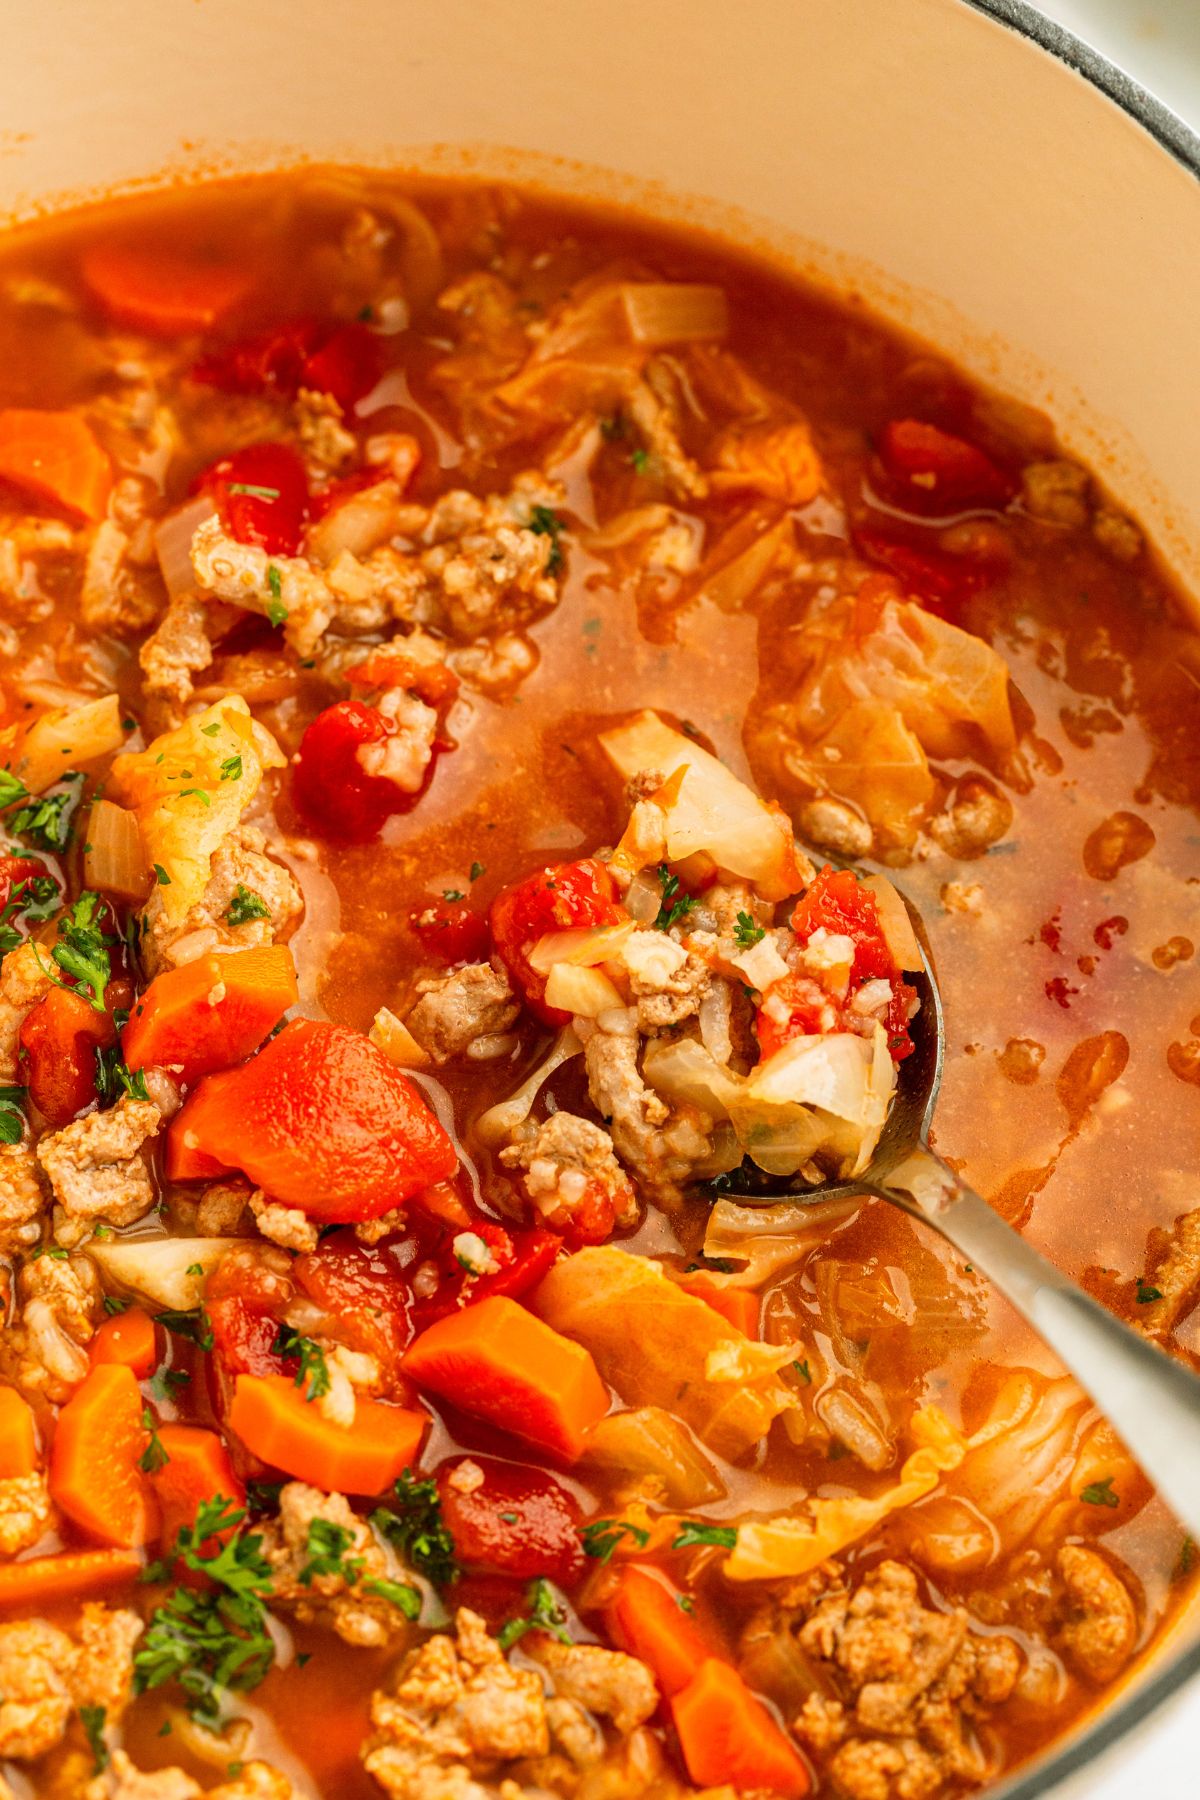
[[1151, 1399]]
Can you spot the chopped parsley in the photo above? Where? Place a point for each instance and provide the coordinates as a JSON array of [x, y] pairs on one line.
[[546, 1613], [685, 1603], [639, 461], [326, 1546], [695, 1531], [405, 1599], [12, 1119], [94, 1719], [116, 1304], [545, 522], [453, 894], [1146, 1294], [46, 820], [211, 730], [12, 788], [192, 1324], [82, 949], [804, 1372], [165, 1383], [1100, 1493], [200, 794], [231, 769], [161, 876], [114, 1077], [277, 612], [252, 490], [476, 870], [416, 1530], [672, 910], [153, 1457], [602, 1536], [214, 1639], [313, 1368], [747, 932], [245, 906], [30, 900]]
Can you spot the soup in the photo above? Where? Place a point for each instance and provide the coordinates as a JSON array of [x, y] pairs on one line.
[[444, 637]]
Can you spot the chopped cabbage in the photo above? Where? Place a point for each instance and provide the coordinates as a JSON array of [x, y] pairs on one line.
[[712, 810], [871, 758], [496, 1126], [62, 739], [585, 992], [767, 1239], [797, 1543], [647, 1443], [189, 789], [651, 1342]]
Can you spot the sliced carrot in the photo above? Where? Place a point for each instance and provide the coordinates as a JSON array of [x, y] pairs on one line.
[[161, 291], [210, 1013], [54, 456], [198, 1468], [18, 1436], [647, 1620], [728, 1736], [44, 1578], [277, 1424], [737, 1306], [98, 1443], [129, 1338], [500, 1363]]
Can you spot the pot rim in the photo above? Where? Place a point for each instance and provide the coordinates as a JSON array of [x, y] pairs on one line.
[[1181, 142]]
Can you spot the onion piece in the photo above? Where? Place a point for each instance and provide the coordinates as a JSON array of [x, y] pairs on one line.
[[674, 312], [392, 1036], [683, 1070], [586, 992], [734, 578], [114, 860], [168, 1271], [895, 923], [850, 1422], [359, 524], [173, 543], [61, 740], [583, 945], [649, 1441], [497, 1124]]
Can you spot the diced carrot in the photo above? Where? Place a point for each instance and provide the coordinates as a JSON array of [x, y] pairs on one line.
[[647, 1620], [210, 1013], [277, 1424], [54, 456], [737, 1306], [98, 1443], [161, 291], [129, 1338], [198, 1468], [500, 1363], [728, 1736], [18, 1436], [41, 1579]]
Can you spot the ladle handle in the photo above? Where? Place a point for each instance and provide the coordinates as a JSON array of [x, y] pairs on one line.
[[1151, 1399]]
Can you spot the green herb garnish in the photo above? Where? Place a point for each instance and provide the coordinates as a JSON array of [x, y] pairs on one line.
[[602, 1536], [546, 523], [313, 1369], [695, 1531], [245, 906], [546, 1613], [672, 910], [1100, 1493], [416, 1530], [747, 932]]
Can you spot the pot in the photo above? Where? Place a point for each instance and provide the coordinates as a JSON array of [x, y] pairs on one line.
[[967, 168]]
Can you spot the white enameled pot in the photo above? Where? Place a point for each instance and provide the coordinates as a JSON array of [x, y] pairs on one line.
[[967, 168]]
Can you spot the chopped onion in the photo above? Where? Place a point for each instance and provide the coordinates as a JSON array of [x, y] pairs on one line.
[[674, 312], [895, 923], [584, 945], [643, 899], [115, 861], [852, 1425], [358, 524], [586, 992], [734, 578], [62, 740], [497, 1125], [712, 810], [168, 1271], [683, 1070], [392, 1036], [173, 544]]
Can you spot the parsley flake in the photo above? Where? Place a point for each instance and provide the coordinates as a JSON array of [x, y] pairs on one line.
[[313, 1368], [748, 932], [695, 1531], [245, 906], [1100, 1493], [546, 1613], [416, 1530], [545, 522], [672, 911], [601, 1537]]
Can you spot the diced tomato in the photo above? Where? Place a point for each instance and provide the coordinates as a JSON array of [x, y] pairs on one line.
[[837, 901], [517, 1522], [342, 360], [523, 1257], [934, 471], [60, 1037], [578, 893], [942, 582], [452, 929], [330, 784], [243, 1332], [807, 1010], [347, 365], [261, 493], [16, 872], [366, 1291]]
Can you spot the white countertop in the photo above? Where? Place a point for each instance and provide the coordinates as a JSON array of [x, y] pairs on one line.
[[1158, 43]]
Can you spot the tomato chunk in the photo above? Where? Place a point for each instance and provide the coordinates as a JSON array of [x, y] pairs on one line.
[[837, 902], [261, 493], [347, 365], [521, 1259], [578, 893], [935, 471], [60, 1037], [366, 1290], [515, 1522], [342, 799], [342, 360], [452, 929]]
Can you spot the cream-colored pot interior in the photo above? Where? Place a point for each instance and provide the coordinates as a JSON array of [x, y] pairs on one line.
[[962, 179]]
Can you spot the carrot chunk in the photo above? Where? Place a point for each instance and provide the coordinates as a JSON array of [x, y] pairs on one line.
[[129, 1338], [98, 1443], [726, 1735], [736, 1306], [41, 1579], [18, 1436], [500, 1363], [647, 1620], [160, 291], [197, 1468], [275, 1421], [54, 456], [210, 1013]]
